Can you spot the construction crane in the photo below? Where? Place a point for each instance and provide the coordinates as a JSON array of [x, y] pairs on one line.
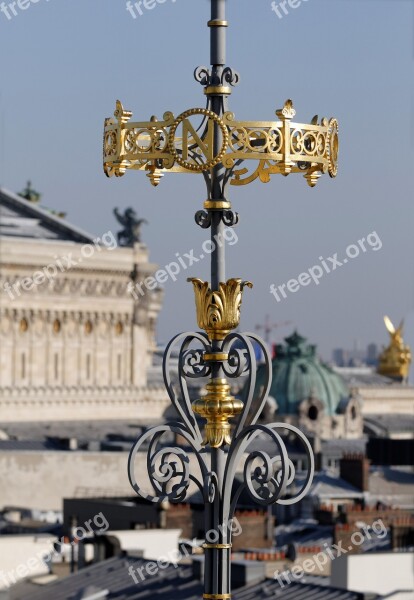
[[268, 327]]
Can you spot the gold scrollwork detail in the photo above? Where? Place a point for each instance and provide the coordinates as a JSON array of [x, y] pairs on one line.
[[200, 146]]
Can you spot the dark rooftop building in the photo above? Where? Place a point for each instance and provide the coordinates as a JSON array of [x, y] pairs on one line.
[[111, 580]]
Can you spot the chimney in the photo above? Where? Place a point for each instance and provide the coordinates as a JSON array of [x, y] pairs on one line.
[[354, 468]]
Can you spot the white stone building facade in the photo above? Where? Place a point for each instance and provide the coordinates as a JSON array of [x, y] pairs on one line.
[[74, 343]]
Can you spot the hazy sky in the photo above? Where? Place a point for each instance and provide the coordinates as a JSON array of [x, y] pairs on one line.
[[65, 62]]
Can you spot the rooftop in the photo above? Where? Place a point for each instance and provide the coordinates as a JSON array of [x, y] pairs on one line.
[[20, 218], [110, 579]]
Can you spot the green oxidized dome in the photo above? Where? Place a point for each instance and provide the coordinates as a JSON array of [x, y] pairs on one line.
[[299, 374]]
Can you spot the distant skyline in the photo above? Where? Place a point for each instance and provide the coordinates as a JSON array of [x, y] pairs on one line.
[[67, 63]]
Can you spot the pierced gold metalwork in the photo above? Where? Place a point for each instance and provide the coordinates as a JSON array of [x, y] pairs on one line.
[[218, 312], [395, 360], [217, 407], [279, 147], [283, 147], [206, 145]]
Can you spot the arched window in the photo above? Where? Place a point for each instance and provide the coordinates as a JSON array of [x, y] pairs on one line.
[[88, 327], [313, 413]]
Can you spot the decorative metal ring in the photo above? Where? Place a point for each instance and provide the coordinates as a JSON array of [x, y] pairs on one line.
[[221, 90], [217, 205], [218, 546], [217, 23], [215, 356], [210, 163], [217, 596]]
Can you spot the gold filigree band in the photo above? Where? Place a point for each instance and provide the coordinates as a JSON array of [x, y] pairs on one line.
[[217, 546], [176, 145]]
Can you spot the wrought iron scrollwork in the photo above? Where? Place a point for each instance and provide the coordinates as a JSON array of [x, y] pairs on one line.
[[169, 468], [203, 218], [266, 473], [228, 75], [230, 218]]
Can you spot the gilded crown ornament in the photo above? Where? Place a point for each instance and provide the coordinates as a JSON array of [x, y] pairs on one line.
[[278, 146]]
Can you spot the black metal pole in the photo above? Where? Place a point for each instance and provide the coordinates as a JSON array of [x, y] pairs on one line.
[[217, 547], [218, 59]]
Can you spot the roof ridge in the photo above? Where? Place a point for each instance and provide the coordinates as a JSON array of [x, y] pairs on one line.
[[47, 217]]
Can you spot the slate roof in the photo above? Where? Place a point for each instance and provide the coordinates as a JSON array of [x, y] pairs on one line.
[[337, 448], [270, 588], [303, 533], [386, 425], [364, 377], [326, 484], [23, 219], [170, 583], [84, 431], [28, 445], [392, 485]]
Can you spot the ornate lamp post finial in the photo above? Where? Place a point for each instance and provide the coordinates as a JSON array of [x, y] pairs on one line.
[[210, 141]]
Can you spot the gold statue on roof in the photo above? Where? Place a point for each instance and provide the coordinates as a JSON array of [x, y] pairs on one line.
[[395, 360]]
